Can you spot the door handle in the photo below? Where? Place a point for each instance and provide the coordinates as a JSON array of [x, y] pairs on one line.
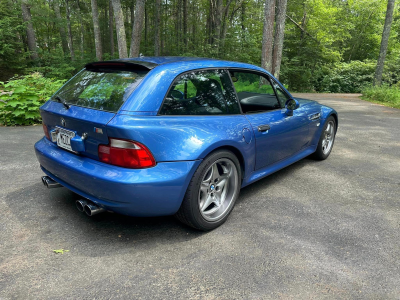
[[263, 128]]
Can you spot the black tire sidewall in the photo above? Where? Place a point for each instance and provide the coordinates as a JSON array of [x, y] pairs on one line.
[[191, 197], [319, 153]]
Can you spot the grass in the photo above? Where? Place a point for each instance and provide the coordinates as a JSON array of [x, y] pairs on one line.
[[385, 95]]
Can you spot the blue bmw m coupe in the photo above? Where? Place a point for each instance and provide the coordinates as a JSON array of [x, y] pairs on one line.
[[181, 136]]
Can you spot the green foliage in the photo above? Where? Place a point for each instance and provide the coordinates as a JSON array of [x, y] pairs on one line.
[[55, 65], [254, 87], [21, 98], [335, 51], [352, 77], [10, 25], [386, 95], [346, 77]]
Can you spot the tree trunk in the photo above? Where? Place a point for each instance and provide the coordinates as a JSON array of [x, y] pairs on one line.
[[111, 27], [96, 29], [60, 26], [146, 21], [279, 35], [185, 24], [157, 28], [209, 29], [82, 30], [268, 34], [132, 12], [30, 33], [137, 28], [120, 28], [384, 43], [129, 30], [194, 25], [243, 27], [217, 20], [225, 20], [71, 47]]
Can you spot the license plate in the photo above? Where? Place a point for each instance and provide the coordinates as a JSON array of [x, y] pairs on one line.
[[64, 137]]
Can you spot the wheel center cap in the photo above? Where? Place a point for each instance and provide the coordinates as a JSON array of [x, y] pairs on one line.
[[212, 187]]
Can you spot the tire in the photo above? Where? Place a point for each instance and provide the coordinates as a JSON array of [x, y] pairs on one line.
[[212, 192], [326, 140]]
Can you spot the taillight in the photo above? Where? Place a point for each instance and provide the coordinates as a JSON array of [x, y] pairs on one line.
[[126, 154], [46, 131]]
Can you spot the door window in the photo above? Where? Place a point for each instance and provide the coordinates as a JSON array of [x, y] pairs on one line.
[[282, 96], [255, 92], [206, 92]]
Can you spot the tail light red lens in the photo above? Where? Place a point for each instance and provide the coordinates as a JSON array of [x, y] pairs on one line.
[[126, 154], [46, 131]]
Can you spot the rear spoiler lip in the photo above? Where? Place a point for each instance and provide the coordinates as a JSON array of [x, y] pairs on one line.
[[120, 65]]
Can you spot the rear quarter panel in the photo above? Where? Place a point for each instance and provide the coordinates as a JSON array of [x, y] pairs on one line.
[[181, 138]]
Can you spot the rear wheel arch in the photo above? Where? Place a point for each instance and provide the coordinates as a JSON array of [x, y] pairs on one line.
[[235, 151]]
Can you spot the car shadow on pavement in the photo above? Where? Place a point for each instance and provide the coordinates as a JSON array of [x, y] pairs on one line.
[[276, 177], [49, 216]]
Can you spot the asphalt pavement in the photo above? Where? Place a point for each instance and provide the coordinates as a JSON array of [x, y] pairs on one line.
[[315, 230]]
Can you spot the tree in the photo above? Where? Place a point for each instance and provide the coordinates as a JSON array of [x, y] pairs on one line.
[[279, 35], [157, 28], [71, 47], [185, 23], [268, 34], [137, 28], [81, 29], [11, 53], [96, 29], [111, 27], [384, 42], [30, 33], [60, 25], [120, 28]]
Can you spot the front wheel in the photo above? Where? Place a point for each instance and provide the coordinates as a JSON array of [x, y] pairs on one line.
[[326, 140], [212, 192]]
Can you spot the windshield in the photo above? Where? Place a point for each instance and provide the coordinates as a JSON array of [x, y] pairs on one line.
[[100, 90]]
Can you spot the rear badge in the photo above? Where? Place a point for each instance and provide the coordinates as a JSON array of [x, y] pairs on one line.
[[98, 130], [63, 122]]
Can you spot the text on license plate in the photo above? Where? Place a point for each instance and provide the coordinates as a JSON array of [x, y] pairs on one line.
[[64, 137]]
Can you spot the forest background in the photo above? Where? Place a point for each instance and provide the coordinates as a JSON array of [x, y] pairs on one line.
[[336, 46]]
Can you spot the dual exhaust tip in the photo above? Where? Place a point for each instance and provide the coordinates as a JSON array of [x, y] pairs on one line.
[[89, 208], [50, 183], [86, 206]]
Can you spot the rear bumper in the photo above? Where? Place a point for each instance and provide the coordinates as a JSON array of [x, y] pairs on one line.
[[155, 191]]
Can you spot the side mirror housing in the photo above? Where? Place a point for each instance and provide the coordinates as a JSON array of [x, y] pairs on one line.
[[291, 105], [177, 94]]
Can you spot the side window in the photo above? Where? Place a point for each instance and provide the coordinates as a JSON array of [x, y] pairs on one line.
[[207, 92], [255, 92], [282, 96]]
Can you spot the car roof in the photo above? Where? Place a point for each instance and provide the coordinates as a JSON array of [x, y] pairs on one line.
[[190, 62]]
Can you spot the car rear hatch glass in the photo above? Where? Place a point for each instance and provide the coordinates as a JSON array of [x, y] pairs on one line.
[[81, 109], [102, 86]]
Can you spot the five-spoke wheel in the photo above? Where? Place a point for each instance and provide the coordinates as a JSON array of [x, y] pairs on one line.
[[212, 192], [217, 189], [326, 140]]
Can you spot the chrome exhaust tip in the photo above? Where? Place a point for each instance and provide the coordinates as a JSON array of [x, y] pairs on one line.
[[92, 209], [80, 205], [50, 183]]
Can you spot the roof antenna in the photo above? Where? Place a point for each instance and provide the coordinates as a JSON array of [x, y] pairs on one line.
[[141, 55]]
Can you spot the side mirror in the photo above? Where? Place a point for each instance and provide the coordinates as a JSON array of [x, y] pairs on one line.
[[291, 105], [176, 94]]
